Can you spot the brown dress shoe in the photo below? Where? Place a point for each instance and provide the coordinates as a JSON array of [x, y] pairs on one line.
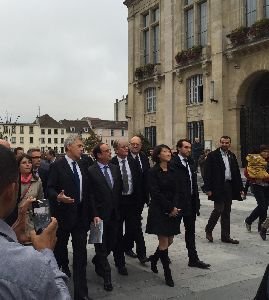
[[209, 236], [230, 241]]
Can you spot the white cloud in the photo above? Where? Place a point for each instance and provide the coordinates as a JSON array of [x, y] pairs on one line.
[[68, 56]]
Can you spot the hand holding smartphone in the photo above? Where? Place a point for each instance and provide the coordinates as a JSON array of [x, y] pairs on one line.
[[41, 215]]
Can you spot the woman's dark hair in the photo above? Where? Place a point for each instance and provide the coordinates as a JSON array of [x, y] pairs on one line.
[[156, 152], [24, 155]]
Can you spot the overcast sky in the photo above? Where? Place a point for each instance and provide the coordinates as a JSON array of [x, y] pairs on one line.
[[68, 56]]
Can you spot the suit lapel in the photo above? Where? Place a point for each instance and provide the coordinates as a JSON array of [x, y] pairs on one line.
[[68, 169], [113, 173], [101, 175]]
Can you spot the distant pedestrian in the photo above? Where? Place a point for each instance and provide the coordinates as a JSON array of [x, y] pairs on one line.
[[259, 185], [201, 161], [18, 152], [223, 183], [197, 151], [163, 215]]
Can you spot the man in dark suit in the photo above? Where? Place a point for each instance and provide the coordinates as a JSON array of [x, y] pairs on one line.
[[68, 186], [129, 207], [223, 183], [142, 163], [107, 182], [189, 198]]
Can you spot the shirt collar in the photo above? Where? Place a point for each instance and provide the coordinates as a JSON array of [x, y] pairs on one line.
[[223, 152], [69, 160], [181, 157], [121, 159], [5, 229], [135, 155], [101, 166]]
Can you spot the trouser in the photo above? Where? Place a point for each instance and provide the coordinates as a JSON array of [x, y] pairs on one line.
[[102, 250], [79, 242], [189, 224], [222, 209], [129, 239], [261, 194], [130, 216]]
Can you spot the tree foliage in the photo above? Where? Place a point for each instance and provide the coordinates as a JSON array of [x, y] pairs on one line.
[[146, 146], [91, 141]]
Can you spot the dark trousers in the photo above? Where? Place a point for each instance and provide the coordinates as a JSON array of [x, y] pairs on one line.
[[189, 224], [102, 251], [222, 209], [261, 194], [79, 241], [131, 217]]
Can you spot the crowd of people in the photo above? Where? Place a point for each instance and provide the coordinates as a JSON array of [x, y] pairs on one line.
[[84, 190]]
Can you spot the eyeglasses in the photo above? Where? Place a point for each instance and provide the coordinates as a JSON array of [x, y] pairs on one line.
[[36, 157], [134, 144]]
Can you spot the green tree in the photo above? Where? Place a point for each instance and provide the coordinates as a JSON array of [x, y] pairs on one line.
[[91, 141]]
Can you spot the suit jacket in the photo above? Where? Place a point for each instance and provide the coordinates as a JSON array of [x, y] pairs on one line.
[[104, 199], [43, 174], [189, 200], [69, 215], [143, 177], [135, 178], [214, 176]]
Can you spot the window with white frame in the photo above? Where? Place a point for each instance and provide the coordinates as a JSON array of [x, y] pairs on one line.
[[266, 8], [251, 12], [195, 89], [188, 2], [21, 140], [196, 129], [13, 140], [189, 28], [150, 135], [151, 36], [42, 140], [150, 100], [202, 30]]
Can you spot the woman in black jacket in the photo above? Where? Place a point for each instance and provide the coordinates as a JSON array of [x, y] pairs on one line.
[[163, 215]]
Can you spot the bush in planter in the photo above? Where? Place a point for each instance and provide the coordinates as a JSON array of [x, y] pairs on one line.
[[186, 56], [239, 36], [144, 71], [260, 28]]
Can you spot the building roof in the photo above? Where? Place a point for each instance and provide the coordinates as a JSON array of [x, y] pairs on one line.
[[78, 126], [47, 121], [107, 124]]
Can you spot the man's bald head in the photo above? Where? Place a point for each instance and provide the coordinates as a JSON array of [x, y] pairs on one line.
[[135, 144], [5, 143]]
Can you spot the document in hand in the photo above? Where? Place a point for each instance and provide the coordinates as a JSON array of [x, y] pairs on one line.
[[96, 233]]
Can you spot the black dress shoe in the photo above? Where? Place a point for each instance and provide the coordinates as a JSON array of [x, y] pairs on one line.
[[143, 259], [66, 270], [123, 271], [108, 285], [131, 253], [230, 241], [209, 236], [85, 298], [199, 264]]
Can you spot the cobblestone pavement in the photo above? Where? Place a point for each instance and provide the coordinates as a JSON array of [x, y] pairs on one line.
[[235, 273]]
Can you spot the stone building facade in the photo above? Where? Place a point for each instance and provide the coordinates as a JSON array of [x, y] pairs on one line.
[[199, 68]]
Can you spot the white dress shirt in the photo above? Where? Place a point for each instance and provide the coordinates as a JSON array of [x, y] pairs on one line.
[[70, 161], [228, 174], [102, 167], [130, 179], [134, 157], [187, 166]]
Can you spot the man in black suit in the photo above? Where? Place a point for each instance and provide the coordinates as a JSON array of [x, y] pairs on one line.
[[189, 198], [142, 163], [68, 187], [129, 207], [223, 183], [106, 180]]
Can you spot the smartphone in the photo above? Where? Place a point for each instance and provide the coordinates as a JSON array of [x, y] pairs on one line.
[[41, 215]]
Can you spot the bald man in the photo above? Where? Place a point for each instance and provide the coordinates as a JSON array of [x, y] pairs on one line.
[[5, 143]]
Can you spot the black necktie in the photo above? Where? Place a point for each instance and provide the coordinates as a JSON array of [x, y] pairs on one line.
[[124, 177], [77, 182], [107, 177], [138, 163]]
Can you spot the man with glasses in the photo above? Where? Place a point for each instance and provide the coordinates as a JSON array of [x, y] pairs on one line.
[[106, 180], [142, 163]]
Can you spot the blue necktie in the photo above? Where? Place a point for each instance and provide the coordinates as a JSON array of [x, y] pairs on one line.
[[77, 182], [107, 177]]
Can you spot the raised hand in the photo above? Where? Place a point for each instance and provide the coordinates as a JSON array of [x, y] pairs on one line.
[[65, 199]]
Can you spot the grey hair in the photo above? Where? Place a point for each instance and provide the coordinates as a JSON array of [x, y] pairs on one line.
[[71, 140]]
